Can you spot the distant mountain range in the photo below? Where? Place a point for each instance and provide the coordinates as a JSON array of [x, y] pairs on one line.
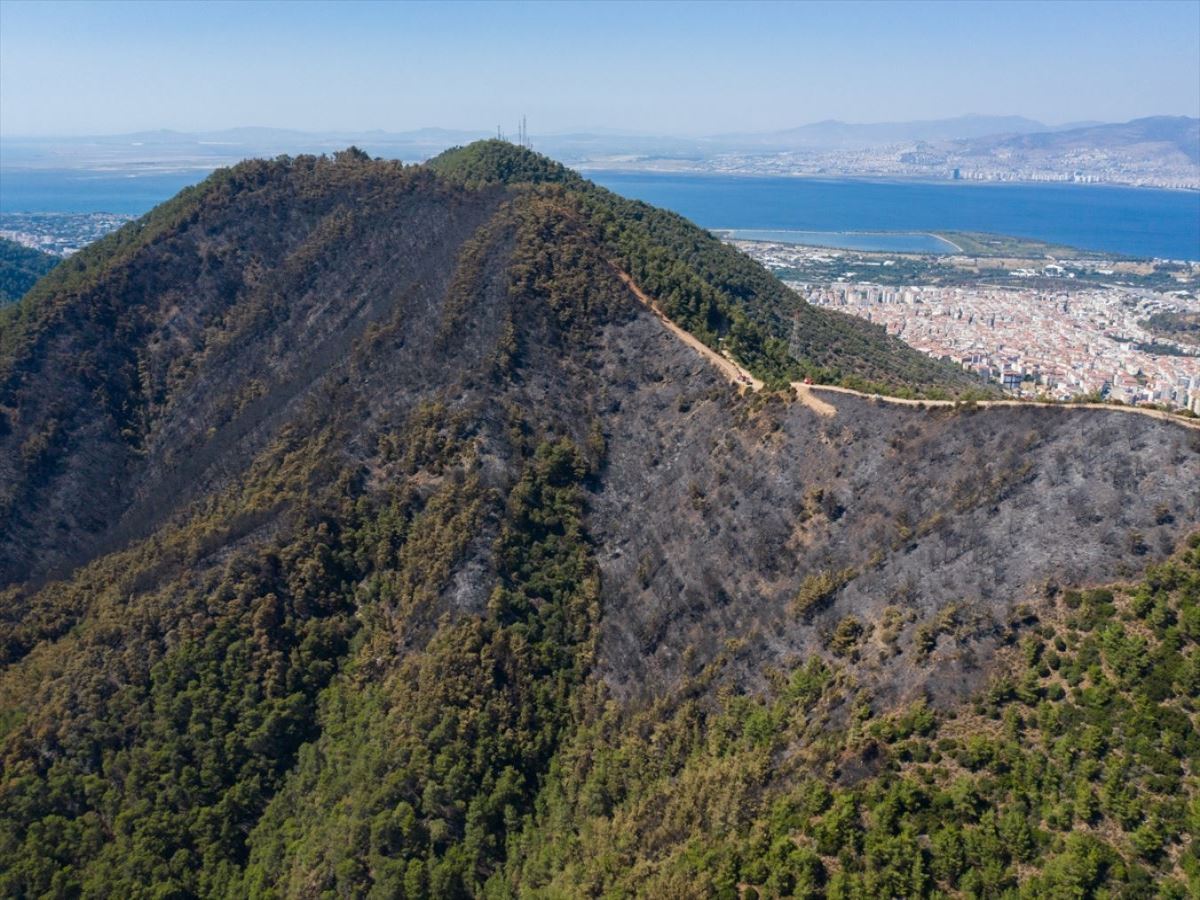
[[834, 134], [1167, 133], [210, 149], [1160, 150]]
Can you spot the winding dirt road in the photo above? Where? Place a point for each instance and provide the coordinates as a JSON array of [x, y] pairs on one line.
[[1107, 407], [735, 373], [807, 393]]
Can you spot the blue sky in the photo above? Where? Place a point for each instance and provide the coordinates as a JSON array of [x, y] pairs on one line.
[[683, 68]]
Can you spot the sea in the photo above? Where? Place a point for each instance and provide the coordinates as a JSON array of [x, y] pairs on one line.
[[895, 216], [845, 211], [88, 191]]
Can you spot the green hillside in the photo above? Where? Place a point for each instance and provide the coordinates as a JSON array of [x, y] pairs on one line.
[[20, 268], [718, 293], [1073, 774]]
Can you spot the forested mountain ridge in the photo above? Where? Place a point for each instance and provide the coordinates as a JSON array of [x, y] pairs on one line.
[[718, 293], [365, 535], [193, 314]]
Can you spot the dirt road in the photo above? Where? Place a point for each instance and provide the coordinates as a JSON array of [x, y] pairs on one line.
[[1108, 407], [735, 373], [807, 393]]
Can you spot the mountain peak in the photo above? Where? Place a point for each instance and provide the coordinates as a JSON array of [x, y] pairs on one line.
[[495, 161]]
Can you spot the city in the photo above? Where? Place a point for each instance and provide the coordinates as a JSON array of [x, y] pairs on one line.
[[915, 160], [1053, 336], [59, 234]]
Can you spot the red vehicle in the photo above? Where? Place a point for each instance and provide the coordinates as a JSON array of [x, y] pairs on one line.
[[807, 380]]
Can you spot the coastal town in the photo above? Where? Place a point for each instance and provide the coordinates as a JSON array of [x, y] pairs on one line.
[[59, 234], [919, 161], [1039, 332]]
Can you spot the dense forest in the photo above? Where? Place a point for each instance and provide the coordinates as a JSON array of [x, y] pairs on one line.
[[20, 268], [363, 536]]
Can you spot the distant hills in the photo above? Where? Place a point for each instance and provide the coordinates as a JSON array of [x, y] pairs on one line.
[[835, 134], [1165, 134], [210, 149], [1161, 151], [978, 130]]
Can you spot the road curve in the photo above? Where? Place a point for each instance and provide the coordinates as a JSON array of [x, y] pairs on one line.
[[730, 369], [1107, 407], [807, 393]]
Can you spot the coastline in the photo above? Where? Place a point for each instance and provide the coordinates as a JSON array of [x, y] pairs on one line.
[[739, 234], [768, 203], [589, 171], [1129, 222]]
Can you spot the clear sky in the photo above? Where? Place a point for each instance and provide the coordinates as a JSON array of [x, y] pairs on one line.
[[683, 68]]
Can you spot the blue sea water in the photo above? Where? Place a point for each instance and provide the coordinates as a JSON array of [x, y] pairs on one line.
[[1134, 221], [87, 191]]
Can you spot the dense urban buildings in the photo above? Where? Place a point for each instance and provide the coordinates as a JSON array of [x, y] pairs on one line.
[[1054, 338], [59, 233], [914, 161]]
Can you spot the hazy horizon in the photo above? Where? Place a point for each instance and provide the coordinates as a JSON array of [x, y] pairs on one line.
[[510, 128], [79, 70]]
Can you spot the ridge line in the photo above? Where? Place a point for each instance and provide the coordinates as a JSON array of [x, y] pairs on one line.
[[804, 393]]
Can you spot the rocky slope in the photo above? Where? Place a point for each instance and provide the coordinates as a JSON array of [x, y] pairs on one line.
[[349, 505]]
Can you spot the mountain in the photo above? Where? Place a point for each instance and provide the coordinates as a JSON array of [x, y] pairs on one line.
[[834, 134], [20, 268], [394, 530], [1175, 136], [1159, 151], [727, 300]]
